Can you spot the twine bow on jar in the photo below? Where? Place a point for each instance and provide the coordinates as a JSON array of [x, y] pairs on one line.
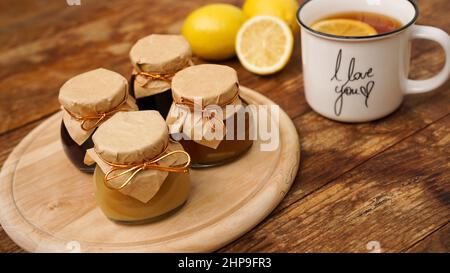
[[210, 114], [167, 77], [97, 118], [155, 76], [134, 169]]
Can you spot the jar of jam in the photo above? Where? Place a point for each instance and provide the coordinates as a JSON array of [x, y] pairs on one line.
[[87, 100], [140, 175], [156, 59], [208, 117]]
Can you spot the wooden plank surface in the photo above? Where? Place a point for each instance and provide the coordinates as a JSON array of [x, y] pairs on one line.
[[383, 181], [435, 243], [396, 198]]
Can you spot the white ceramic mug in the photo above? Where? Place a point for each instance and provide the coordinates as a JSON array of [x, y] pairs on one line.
[[358, 79]]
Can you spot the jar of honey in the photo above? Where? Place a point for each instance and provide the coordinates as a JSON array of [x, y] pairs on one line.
[[208, 116], [141, 174], [87, 100], [156, 59]]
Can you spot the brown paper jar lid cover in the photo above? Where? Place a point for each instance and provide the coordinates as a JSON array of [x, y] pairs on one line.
[[215, 84], [93, 92], [161, 53], [131, 137]]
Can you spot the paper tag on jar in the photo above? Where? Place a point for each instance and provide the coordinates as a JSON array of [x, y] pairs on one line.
[[210, 129], [195, 126]]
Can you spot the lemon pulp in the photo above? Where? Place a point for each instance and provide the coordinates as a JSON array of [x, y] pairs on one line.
[[264, 44]]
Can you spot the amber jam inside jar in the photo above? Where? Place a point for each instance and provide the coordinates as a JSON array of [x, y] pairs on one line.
[[204, 86], [141, 174], [160, 102], [122, 208], [76, 152], [228, 150]]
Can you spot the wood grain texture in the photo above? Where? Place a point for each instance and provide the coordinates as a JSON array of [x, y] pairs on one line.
[[408, 184], [437, 242], [341, 147], [60, 41], [47, 203]]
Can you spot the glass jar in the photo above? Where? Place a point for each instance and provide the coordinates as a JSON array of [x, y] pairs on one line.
[[87, 100], [141, 175], [76, 152], [228, 150], [122, 208], [160, 102], [155, 59], [199, 87]]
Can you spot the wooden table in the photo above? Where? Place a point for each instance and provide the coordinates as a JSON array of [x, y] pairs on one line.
[[386, 181]]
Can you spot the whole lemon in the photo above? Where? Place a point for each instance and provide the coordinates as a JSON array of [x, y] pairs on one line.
[[284, 9], [211, 30]]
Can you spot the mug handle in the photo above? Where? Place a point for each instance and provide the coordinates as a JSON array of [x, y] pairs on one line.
[[442, 38]]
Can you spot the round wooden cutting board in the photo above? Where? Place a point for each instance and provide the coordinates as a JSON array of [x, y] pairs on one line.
[[49, 206]]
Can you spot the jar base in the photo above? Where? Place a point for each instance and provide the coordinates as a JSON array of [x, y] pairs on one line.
[[148, 220], [120, 208], [87, 170], [197, 165]]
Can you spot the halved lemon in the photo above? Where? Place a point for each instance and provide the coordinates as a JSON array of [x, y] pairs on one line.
[[344, 27], [264, 44]]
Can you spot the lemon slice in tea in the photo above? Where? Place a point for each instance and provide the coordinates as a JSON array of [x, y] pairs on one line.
[[344, 27]]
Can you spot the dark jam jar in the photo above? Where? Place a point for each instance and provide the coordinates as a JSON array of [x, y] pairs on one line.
[[156, 59], [76, 152], [160, 102], [203, 87], [87, 101]]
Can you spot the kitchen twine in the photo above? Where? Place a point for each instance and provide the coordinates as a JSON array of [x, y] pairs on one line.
[[98, 118], [151, 76], [211, 114], [135, 168], [167, 77]]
